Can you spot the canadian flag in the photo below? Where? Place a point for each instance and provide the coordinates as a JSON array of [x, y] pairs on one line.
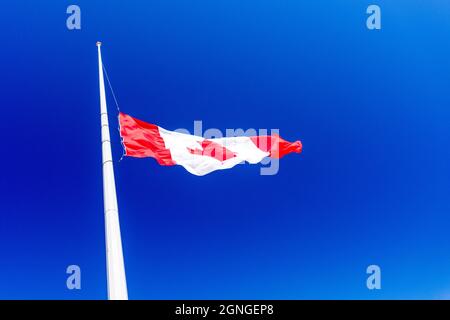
[[197, 155]]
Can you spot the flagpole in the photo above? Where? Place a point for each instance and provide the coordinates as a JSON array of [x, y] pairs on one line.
[[117, 284]]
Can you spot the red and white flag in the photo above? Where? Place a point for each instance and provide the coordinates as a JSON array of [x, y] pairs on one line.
[[197, 155]]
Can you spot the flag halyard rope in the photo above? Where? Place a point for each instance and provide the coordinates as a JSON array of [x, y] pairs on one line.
[[118, 109]]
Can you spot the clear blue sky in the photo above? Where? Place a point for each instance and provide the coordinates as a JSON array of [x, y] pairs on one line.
[[371, 186]]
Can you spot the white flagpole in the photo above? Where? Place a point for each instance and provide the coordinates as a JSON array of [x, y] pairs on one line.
[[117, 284]]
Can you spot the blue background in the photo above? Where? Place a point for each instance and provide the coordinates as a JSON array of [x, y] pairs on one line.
[[371, 186]]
